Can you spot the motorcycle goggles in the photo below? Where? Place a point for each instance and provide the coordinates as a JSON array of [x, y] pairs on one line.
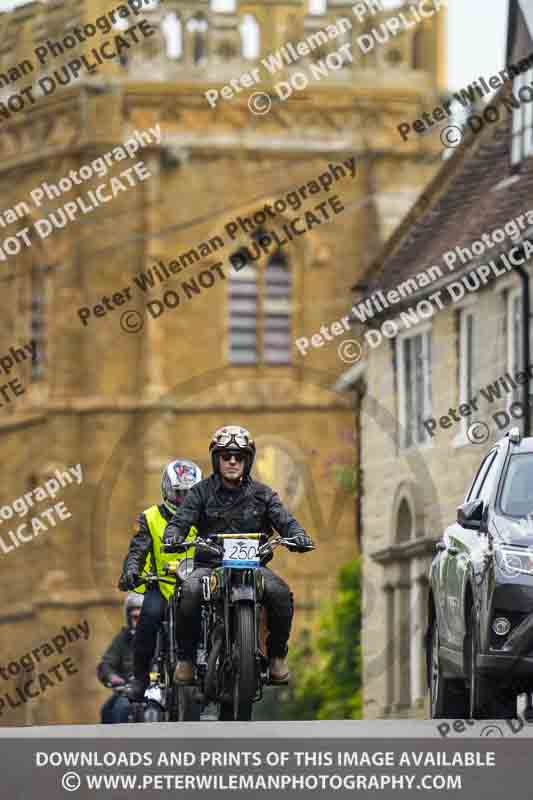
[[226, 439]]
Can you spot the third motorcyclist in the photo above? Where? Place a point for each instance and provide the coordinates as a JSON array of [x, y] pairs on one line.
[[116, 667], [230, 501]]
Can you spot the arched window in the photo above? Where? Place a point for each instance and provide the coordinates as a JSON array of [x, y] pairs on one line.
[[250, 37], [173, 33], [197, 30], [404, 527], [404, 602], [277, 311], [259, 307], [243, 315]]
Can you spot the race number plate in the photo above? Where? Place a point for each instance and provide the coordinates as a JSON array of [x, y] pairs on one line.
[[241, 553]]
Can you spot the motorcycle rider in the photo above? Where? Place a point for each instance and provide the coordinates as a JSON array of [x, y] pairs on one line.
[[116, 666], [230, 501], [145, 555]]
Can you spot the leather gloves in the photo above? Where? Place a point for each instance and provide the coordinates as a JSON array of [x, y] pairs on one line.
[[130, 580], [301, 542]]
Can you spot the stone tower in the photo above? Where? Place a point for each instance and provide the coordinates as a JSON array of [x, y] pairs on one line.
[[219, 347]]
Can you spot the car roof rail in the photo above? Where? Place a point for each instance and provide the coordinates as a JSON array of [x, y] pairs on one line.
[[514, 435]]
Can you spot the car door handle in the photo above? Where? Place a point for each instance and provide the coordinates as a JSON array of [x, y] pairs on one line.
[[452, 550]]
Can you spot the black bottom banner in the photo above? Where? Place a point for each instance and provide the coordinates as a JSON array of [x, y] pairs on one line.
[[160, 761]]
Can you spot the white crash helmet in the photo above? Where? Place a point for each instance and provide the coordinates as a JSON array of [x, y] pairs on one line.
[[179, 476]]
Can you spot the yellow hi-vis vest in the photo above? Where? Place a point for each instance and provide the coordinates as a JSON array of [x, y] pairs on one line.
[[156, 525]]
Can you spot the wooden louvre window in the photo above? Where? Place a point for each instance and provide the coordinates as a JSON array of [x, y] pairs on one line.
[[277, 312], [260, 313], [243, 315]]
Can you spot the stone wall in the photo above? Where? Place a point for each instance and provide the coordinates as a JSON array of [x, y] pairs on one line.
[[433, 480]]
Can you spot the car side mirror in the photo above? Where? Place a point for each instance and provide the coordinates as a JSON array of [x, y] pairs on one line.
[[471, 515]]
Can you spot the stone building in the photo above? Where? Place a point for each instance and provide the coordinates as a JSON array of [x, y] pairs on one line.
[[455, 280], [155, 361]]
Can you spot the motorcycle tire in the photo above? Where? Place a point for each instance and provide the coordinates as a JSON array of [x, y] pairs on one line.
[[153, 713], [245, 678], [211, 677], [225, 713], [188, 710]]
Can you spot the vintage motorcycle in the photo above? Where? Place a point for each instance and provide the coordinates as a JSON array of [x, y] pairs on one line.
[[162, 701], [231, 666]]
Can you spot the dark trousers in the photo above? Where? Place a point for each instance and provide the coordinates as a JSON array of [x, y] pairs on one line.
[[115, 710], [144, 642], [277, 601]]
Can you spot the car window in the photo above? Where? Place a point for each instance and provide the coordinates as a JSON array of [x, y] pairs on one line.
[[478, 480], [517, 492], [488, 483]]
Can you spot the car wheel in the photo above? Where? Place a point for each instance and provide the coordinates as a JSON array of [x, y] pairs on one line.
[[448, 697], [487, 699]]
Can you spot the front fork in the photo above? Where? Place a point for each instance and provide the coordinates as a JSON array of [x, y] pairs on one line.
[[230, 605]]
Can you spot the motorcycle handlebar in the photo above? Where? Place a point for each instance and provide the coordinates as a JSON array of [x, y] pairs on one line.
[[176, 548], [288, 543], [204, 544], [119, 688], [154, 579]]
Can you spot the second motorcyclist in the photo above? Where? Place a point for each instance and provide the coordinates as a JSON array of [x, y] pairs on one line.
[[230, 501], [145, 555]]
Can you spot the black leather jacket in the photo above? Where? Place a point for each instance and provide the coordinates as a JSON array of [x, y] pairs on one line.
[[140, 545], [252, 508]]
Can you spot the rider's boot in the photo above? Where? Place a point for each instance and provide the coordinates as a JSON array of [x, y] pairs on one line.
[[137, 689], [184, 672], [279, 670]]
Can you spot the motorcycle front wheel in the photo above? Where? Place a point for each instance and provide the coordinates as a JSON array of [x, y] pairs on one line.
[[245, 678], [153, 713], [188, 709]]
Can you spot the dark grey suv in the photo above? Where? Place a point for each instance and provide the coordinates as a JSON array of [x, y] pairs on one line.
[[480, 614]]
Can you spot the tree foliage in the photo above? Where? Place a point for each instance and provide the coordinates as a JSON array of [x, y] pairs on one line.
[[326, 671]]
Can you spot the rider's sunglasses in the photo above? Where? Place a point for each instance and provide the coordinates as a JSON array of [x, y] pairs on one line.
[[239, 457]]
